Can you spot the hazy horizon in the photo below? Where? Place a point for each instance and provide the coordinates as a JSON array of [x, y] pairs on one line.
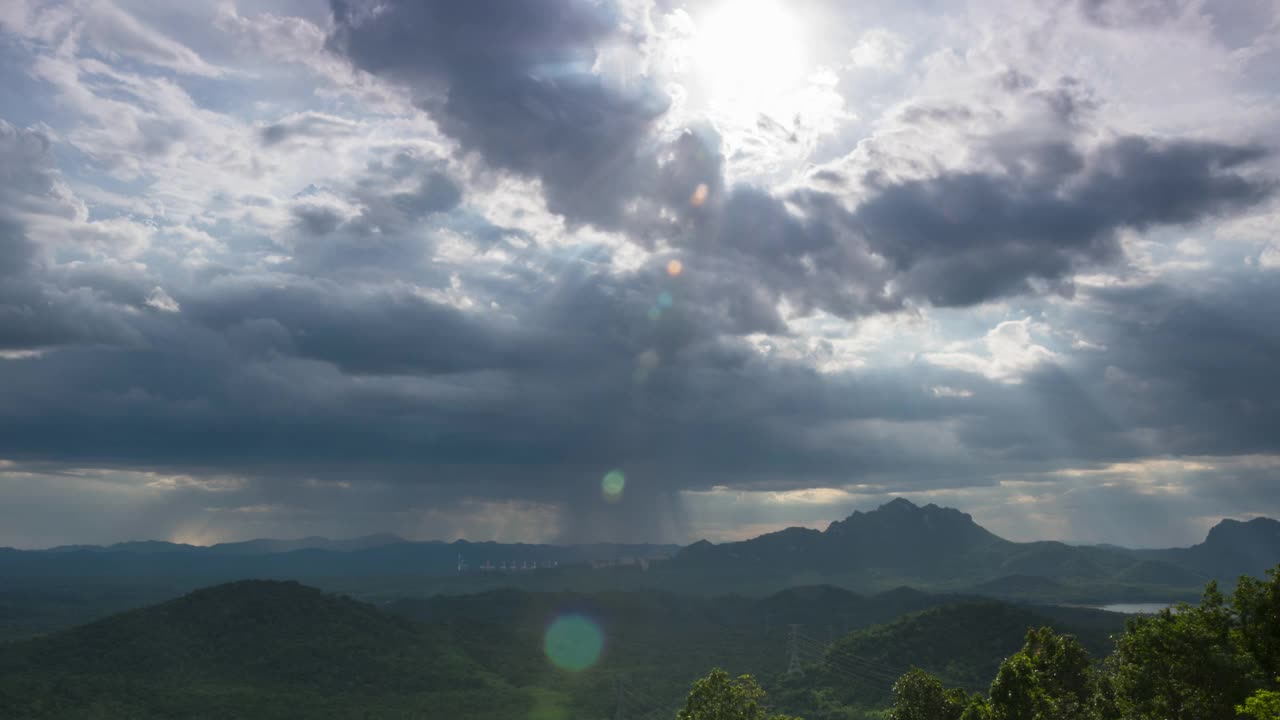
[[743, 532]]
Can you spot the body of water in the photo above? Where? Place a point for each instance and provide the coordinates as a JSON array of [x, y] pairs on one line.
[[1136, 608]]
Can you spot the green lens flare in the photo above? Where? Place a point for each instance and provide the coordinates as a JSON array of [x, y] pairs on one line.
[[612, 485], [573, 642]]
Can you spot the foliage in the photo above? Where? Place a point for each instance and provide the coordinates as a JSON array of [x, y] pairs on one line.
[[252, 650], [262, 650], [1262, 705], [1183, 664], [920, 696], [1211, 660], [1256, 604], [719, 697], [1048, 679], [962, 644]]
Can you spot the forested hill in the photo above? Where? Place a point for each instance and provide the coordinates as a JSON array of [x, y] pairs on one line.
[[961, 643], [250, 649], [261, 649]]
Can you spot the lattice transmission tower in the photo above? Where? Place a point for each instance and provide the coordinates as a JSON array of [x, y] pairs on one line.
[[793, 651]]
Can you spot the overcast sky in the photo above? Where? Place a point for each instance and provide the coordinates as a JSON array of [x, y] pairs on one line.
[[429, 267]]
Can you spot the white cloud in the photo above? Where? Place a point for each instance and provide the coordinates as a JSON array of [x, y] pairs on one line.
[[878, 49], [112, 32], [950, 392], [161, 300], [1005, 354]]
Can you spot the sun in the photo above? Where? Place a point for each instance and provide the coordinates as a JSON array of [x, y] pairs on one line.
[[748, 53]]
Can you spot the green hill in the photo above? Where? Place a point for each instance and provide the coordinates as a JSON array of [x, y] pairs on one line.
[[252, 649], [963, 644], [263, 650]]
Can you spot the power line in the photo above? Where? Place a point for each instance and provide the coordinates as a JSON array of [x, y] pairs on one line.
[[854, 663], [644, 700], [618, 692], [886, 671], [862, 674]]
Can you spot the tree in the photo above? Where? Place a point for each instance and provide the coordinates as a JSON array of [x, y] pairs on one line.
[[917, 695], [1182, 664], [1256, 604], [977, 709], [1048, 679], [1262, 705], [719, 697]]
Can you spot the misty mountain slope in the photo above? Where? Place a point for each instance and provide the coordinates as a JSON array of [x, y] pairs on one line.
[[660, 641], [899, 544], [309, 559], [817, 607], [931, 546], [247, 649], [1230, 549], [962, 643]]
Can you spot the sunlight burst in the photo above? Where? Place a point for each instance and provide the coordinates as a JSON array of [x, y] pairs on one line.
[[749, 51]]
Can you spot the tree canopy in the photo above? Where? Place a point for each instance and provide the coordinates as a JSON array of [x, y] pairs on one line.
[[720, 697], [1213, 660]]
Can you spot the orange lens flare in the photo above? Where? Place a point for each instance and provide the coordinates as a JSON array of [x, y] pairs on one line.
[[699, 195]]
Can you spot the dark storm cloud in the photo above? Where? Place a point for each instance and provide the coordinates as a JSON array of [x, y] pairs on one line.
[[958, 238], [514, 82], [392, 197], [15, 252], [337, 382], [370, 331], [39, 309], [1180, 373], [1196, 367], [366, 357], [812, 258], [285, 377], [1048, 210], [430, 189], [962, 238]]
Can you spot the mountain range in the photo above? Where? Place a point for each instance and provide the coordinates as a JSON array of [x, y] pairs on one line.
[[903, 543], [897, 544]]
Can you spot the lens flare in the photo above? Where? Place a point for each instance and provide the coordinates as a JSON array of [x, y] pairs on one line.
[[674, 268], [699, 195], [665, 300], [573, 642], [645, 363], [612, 485]]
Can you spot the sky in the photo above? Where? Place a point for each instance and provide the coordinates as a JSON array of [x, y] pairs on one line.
[[289, 267]]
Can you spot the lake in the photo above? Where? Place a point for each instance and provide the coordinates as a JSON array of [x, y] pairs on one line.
[[1136, 608]]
